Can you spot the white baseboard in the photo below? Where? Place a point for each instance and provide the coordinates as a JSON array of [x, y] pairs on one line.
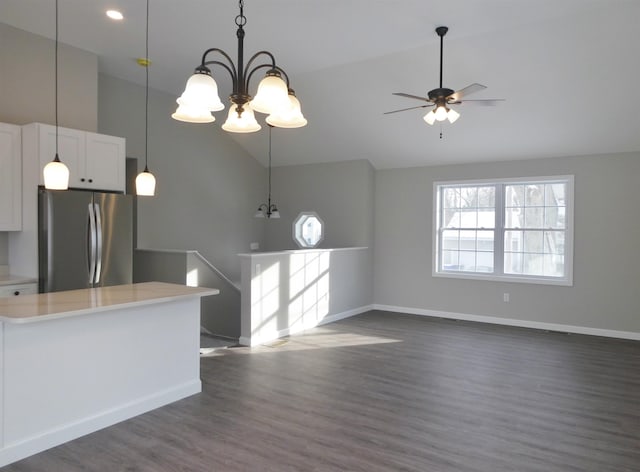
[[273, 335], [345, 314], [512, 322], [13, 452]]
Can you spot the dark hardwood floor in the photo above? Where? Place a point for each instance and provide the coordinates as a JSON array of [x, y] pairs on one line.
[[389, 392]]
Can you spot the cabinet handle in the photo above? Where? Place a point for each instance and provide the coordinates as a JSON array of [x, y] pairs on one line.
[[82, 179], [17, 292], [90, 180]]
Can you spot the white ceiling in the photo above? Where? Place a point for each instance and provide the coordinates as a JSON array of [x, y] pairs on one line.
[[568, 69]]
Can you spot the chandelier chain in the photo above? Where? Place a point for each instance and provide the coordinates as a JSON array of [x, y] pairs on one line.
[[241, 20]]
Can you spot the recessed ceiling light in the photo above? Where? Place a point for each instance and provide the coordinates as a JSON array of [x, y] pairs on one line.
[[115, 15]]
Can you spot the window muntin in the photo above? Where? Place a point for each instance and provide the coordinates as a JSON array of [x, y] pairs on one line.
[[518, 229]]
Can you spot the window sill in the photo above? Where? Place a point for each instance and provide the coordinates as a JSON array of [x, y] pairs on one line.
[[563, 282]]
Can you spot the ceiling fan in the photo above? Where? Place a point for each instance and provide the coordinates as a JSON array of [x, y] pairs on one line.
[[441, 97]]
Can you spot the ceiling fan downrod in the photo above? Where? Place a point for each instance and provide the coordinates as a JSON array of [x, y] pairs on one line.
[[441, 31]]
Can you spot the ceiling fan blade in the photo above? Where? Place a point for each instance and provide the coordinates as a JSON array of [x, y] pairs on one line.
[[405, 109], [484, 102], [466, 91], [407, 95]]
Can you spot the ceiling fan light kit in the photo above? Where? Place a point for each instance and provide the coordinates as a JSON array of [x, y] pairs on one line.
[[274, 96], [441, 98]]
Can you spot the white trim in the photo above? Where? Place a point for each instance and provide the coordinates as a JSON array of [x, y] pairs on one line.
[[301, 251], [257, 340], [609, 333], [16, 451]]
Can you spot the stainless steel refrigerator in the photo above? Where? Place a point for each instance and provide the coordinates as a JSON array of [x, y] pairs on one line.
[[85, 239]]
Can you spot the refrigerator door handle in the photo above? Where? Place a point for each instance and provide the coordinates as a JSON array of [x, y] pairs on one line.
[[92, 244], [98, 244]]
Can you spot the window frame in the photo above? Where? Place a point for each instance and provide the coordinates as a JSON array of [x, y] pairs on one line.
[[499, 231], [296, 228]]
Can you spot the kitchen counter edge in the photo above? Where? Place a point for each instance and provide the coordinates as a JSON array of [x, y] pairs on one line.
[[55, 305]]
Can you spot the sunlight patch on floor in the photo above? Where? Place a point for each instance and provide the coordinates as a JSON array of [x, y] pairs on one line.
[[318, 339]]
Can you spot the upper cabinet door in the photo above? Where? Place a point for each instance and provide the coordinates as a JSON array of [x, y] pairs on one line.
[[95, 161], [105, 162], [71, 145], [10, 178]]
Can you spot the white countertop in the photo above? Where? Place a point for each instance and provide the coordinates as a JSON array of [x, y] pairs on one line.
[[46, 306]]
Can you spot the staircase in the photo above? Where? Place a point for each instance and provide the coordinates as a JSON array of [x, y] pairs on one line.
[[220, 314]]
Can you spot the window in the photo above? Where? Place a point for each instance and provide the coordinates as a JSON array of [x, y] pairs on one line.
[[308, 229], [516, 230]]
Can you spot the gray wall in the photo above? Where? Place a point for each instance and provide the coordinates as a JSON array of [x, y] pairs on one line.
[[606, 256], [207, 186], [27, 81], [342, 194], [27, 92]]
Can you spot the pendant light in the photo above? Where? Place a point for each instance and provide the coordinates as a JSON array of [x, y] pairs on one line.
[[145, 181], [56, 174], [268, 210], [274, 96]]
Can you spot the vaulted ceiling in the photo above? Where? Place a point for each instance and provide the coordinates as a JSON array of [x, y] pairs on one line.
[[567, 69]]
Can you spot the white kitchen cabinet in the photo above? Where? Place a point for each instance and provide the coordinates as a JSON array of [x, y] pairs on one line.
[[18, 289], [10, 178], [95, 161]]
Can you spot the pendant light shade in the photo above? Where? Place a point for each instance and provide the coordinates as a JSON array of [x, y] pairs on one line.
[[245, 123], [289, 118], [55, 173], [145, 181], [272, 96]]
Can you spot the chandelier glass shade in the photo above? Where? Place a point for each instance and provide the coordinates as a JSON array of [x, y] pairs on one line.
[[289, 118], [274, 97], [241, 123]]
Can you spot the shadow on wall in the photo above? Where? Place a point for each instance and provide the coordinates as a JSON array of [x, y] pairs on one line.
[[291, 291]]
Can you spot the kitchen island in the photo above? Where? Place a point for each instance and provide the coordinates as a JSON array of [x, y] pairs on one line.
[[77, 361]]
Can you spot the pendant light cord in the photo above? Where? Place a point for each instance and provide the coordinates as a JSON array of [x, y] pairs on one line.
[[56, 83], [146, 97]]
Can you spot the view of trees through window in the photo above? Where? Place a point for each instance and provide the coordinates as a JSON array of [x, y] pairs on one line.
[[504, 228]]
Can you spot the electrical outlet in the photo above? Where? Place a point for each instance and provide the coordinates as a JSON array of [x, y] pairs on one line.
[[505, 297], [254, 246]]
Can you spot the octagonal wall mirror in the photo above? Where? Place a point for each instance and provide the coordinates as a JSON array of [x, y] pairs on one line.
[[308, 230]]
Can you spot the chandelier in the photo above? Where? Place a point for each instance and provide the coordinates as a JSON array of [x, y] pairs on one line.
[[268, 210], [274, 96]]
